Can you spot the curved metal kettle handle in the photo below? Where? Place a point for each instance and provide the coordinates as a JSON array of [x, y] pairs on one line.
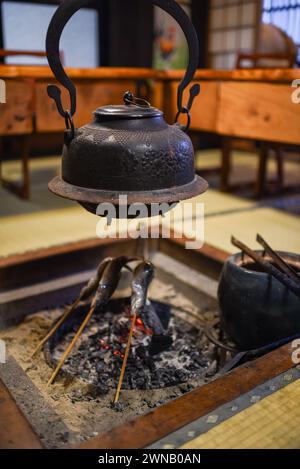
[[60, 18]]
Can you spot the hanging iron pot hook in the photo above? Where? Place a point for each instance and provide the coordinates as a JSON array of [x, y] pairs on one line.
[[67, 9], [194, 91]]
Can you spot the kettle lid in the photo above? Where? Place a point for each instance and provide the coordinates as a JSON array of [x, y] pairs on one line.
[[133, 108], [126, 111]]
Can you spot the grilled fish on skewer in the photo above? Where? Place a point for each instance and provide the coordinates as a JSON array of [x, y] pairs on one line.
[[85, 293], [107, 286], [110, 279], [142, 277], [93, 283]]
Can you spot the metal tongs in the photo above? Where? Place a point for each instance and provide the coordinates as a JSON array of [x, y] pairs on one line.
[[280, 269]]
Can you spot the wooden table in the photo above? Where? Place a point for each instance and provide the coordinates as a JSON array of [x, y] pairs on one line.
[[29, 110], [249, 104], [245, 104]]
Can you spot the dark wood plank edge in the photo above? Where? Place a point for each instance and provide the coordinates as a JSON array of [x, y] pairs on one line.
[[15, 430], [14, 259], [277, 75], [207, 250], [29, 256], [164, 420]]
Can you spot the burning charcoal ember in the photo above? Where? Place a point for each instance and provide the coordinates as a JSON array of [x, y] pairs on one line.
[[151, 319], [159, 343], [107, 285], [98, 358]]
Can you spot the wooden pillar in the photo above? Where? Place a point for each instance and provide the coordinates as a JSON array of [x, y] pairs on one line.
[[262, 170], [130, 31], [200, 19]]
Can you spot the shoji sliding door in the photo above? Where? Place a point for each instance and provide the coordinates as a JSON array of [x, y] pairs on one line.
[[233, 28]]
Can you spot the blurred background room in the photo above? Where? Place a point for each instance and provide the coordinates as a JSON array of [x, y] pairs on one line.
[[245, 127]]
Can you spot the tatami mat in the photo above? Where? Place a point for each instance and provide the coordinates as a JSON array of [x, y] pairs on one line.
[[28, 232], [216, 202], [281, 230], [46, 220], [22, 233], [42, 170], [12, 169], [273, 422]]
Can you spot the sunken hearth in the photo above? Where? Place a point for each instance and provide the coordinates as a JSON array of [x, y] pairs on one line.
[[78, 406]]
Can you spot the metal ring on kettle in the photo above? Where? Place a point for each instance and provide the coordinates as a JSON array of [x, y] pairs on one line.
[[69, 7]]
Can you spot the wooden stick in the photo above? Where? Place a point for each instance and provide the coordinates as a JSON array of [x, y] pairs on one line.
[[86, 291], [68, 311], [70, 347], [277, 259], [125, 358], [268, 267]]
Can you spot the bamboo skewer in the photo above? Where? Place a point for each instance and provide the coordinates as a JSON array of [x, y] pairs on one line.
[[117, 395], [68, 311], [268, 267], [71, 345], [86, 291], [107, 280], [143, 251]]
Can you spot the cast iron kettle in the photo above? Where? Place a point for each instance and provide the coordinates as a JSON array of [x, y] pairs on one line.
[[126, 149]]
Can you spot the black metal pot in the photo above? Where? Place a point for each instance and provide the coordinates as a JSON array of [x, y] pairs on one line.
[[127, 149], [255, 308]]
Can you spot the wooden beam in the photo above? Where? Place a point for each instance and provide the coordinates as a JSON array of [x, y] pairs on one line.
[[8, 52], [277, 75], [101, 73], [15, 430]]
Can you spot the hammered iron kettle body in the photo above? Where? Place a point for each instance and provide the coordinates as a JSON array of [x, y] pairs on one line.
[[126, 149]]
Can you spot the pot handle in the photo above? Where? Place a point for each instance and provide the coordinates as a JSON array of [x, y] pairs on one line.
[[60, 18]]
